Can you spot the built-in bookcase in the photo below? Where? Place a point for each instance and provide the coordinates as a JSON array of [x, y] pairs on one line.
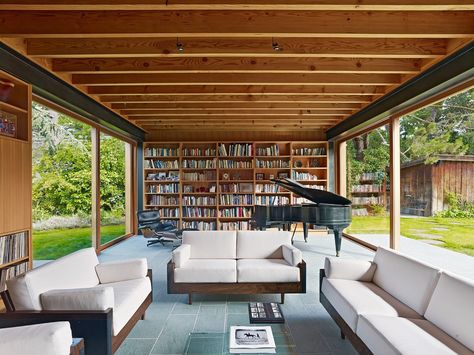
[[215, 185], [15, 173]]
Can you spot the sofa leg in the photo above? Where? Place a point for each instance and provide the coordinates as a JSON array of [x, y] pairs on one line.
[[190, 299], [282, 298], [342, 335], [143, 316]]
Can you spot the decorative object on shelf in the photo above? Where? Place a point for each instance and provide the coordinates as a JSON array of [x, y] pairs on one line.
[[225, 176], [173, 175], [298, 164], [260, 176], [272, 176], [5, 89], [246, 187], [187, 188], [260, 312], [8, 124], [283, 175], [314, 163]]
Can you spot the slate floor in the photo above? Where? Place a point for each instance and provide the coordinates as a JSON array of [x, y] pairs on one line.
[[170, 319]]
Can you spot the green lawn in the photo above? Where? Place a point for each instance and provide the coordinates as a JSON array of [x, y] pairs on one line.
[[52, 244], [457, 234]]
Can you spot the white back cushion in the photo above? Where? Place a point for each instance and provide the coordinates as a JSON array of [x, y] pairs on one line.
[[211, 244], [75, 270], [451, 308], [261, 244], [406, 279]]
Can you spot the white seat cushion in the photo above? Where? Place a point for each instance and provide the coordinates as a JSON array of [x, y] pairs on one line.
[[211, 244], [76, 270], [266, 270], [352, 298], [207, 270], [129, 295], [452, 308], [394, 335], [261, 244], [39, 339], [404, 278]]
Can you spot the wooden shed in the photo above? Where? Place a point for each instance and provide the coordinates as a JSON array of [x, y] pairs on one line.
[[424, 187]]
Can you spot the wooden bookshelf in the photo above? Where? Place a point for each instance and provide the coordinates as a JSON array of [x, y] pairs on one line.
[[15, 175], [217, 184]]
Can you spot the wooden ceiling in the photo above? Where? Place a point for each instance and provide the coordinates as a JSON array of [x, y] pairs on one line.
[[236, 64]]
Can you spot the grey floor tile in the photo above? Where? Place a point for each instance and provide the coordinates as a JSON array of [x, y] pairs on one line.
[[136, 347], [184, 308], [238, 308], [210, 319], [147, 329], [173, 338]]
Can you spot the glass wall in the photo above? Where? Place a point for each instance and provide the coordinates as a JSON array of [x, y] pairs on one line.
[[367, 184], [62, 193], [113, 183], [437, 175]]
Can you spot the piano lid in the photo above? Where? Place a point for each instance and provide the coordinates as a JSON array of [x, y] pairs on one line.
[[315, 195]]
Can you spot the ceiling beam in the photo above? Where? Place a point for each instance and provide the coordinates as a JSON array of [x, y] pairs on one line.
[[236, 65], [215, 23], [238, 90], [236, 119], [237, 98], [320, 5], [236, 106], [237, 47], [243, 112], [236, 79]]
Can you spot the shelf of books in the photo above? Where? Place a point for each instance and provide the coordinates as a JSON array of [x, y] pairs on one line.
[[215, 185], [14, 255]]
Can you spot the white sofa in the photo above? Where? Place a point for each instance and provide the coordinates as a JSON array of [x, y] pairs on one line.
[[236, 262], [114, 294], [398, 305], [49, 338]]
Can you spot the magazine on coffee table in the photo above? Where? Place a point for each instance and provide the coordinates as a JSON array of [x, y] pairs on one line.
[[248, 339]]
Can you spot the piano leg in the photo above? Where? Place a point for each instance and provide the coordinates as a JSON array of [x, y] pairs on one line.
[[305, 232], [337, 239]]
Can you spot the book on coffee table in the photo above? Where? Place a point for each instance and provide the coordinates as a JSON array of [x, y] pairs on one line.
[[263, 312], [251, 340]]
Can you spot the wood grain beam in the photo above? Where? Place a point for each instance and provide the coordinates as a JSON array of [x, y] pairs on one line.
[[214, 23], [236, 79], [250, 126], [236, 106], [243, 112], [236, 65], [320, 5], [198, 90], [237, 47], [235, 119], [128, 99]]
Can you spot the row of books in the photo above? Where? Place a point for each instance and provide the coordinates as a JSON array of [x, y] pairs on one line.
[[272, 150], [164, 176], [309, 151], [200, 200], [199, 212], [201, 189], [372, 200], [172, 188], [13, 247], [300, 175], [161, 152], [237, 187], [236, 212], [199, 164], [161, 164], [272, 200], [200, 176], [232, 226], [235, 164], [366, 188], [236, 199], [201, 225], [270, 164], [11, 272], [236, 150], [163, 200], [208, 152], [268, 188], [167, 212]]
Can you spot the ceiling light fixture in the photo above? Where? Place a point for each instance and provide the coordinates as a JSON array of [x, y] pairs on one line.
[[179, 45], [276, 47]]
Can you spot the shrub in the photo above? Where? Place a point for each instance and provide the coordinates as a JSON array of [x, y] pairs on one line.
[[377, 210], [457, 207]]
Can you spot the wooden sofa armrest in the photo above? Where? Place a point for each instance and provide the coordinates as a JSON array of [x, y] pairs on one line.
[[302, 267]]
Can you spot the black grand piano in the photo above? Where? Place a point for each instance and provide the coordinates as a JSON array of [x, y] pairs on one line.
[[329, 210]]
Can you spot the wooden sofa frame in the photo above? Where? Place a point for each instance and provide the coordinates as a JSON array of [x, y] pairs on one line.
[[236, 288], [95, 327], [346, 330]]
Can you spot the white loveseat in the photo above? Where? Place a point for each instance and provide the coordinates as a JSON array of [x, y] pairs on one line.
[[102, 301], [398, 305], [227, 262]]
